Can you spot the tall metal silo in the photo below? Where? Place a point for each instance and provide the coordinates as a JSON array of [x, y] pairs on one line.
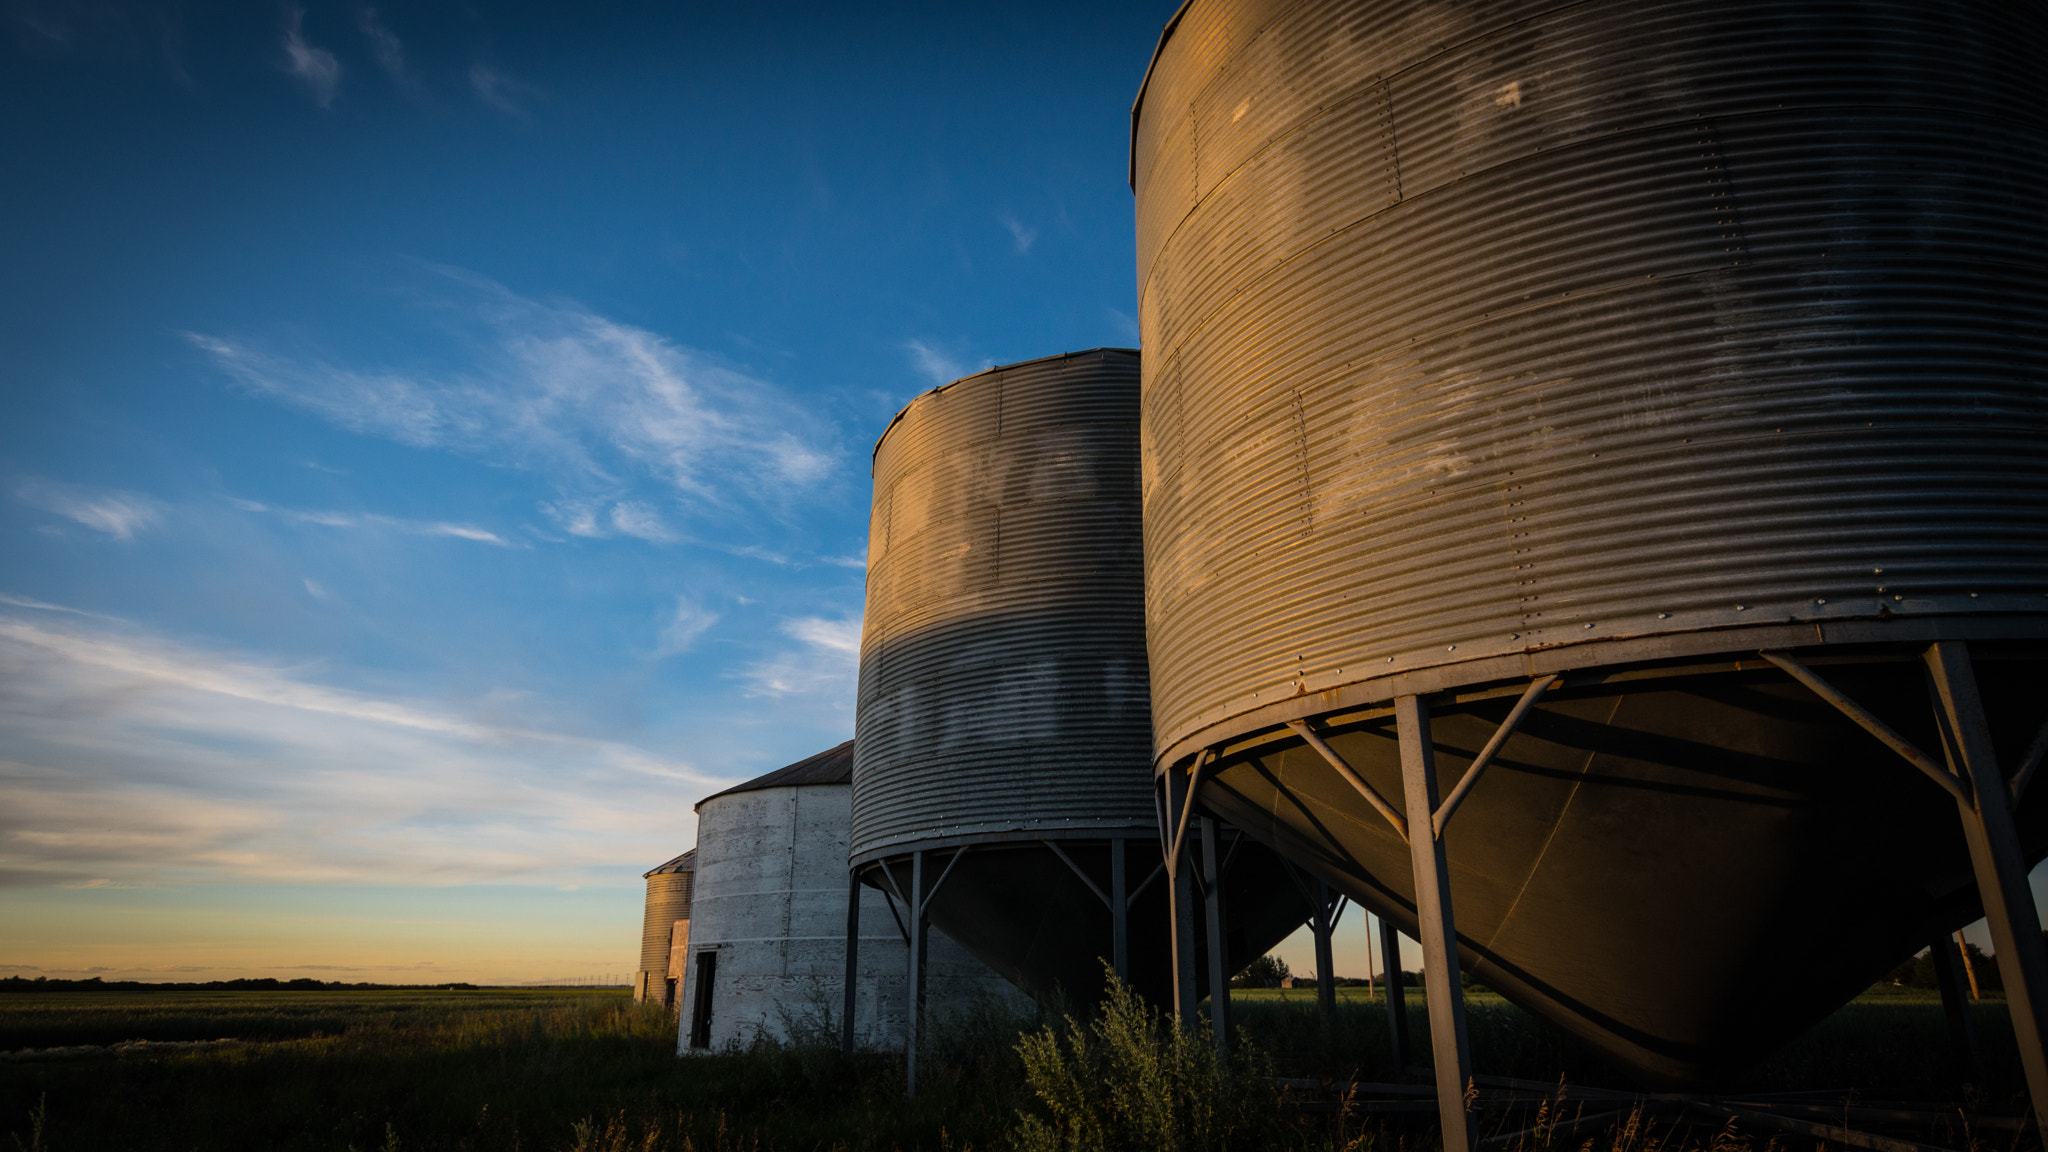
[[766, 948], [1668, 377], [665, 929], [1003, 734]]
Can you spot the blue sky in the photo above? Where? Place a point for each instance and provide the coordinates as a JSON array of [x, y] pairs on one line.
[[435, 438]]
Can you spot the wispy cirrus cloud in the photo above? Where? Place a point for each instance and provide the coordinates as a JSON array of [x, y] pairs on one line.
[[129, 756], [599, 519], [823, 666], [40, 605], [629, 426], [111, 511], [936, 365], [689, 621], [376, 521], [312, 66], [385, 46], [500, 90], [1021, 234]]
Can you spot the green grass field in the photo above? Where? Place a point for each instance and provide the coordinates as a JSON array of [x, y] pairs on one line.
[[586, 1070], [1886, 1044], [485, 1069]]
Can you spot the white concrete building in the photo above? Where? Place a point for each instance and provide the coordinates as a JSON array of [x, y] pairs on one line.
[[767, 943]]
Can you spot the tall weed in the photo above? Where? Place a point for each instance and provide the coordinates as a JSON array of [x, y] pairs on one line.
[[1131, 1081]]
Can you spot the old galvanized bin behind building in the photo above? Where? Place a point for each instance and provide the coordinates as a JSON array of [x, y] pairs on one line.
[[665, 930], [767, 937], [1649, 396]]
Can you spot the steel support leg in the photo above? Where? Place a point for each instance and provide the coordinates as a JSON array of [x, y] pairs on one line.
[[1217, 929], [1397, 996], [1969, 969], [1181, 909], [1995, 854], [1326, 976], [1439, 929], [1955, 1003], [913, 1017], [852, 959], [1119, 913]]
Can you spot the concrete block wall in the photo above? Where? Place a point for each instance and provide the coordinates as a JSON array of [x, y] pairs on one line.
[[770, 899]]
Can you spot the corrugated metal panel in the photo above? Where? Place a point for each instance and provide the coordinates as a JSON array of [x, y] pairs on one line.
[[832, 766], [1514, 325], [668, 900], [1003, 683]]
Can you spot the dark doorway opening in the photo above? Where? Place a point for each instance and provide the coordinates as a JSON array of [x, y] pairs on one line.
[[700, 1004]]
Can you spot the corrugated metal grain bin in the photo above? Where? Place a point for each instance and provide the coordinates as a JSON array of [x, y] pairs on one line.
[[665, 929], [767, 948], [1004, 704], [1620, 341]]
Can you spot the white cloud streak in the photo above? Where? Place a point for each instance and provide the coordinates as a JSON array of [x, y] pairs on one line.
[[1021, 235], [115, 513], [633, 518], [316, 68], [39, 605], [823, 668], [130, 758], [385, 46], [499, 90], [689, 621], [600, 407], [373, 520], [936, 365]]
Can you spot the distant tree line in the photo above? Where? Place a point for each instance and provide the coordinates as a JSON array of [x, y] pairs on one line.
[[1265, 972], [264, 984], [1269, 971], [1918, 972]]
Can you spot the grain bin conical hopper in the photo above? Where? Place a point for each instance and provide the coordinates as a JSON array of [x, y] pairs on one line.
[[1679, 370], [1003, 738]]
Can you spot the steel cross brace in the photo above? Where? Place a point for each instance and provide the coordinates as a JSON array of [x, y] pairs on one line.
[[1187, 809], [1984, 802], [1442, 815], [2031, 762], [900, 929], [1092, 886], [1351, 776], [915, 939], [941, 882], [1177, 801], [1118, 916], [1321, 924], [1871, 724]]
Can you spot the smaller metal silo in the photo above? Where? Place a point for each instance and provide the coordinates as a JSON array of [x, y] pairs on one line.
[[767, 944], [665, 931], [1001, 789]]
